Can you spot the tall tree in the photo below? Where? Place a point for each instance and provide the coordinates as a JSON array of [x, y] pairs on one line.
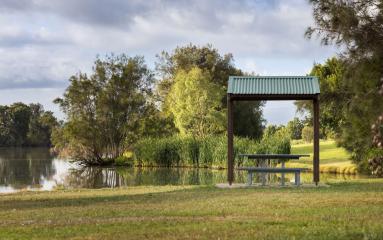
[[104, 111], [334, 97], [41, 125], [294, 128], [194, 101], [5, 127], [219, 67], [248, 119], [20, 116], [357, 27], [25, 125]]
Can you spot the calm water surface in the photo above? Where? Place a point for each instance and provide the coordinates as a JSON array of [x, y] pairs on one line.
[[37, 169]]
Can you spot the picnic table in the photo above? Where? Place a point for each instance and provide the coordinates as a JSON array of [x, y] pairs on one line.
[[266, 158]]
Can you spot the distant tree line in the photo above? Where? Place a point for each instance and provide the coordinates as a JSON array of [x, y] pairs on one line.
[[24, 125]]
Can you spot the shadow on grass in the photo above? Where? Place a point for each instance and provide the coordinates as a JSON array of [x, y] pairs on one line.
[[104, 197], [202, 192]]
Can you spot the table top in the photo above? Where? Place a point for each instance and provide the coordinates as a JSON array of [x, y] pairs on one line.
[[274, 156]]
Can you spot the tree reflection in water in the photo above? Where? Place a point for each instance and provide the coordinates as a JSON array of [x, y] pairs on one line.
[[96, 177], [24, 167], [36, 168]]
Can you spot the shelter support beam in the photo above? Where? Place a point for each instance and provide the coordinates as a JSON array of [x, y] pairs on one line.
[[230, 147], [316, 140]]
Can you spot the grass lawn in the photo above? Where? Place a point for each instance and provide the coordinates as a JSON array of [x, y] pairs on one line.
[[332, 158], [345, 210]]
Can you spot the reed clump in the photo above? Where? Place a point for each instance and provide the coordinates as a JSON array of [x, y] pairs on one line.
[[210, 151]]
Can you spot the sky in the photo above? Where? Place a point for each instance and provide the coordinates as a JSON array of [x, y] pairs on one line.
[[44, 42]]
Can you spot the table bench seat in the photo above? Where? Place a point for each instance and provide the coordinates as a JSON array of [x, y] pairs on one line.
[[251, 170]]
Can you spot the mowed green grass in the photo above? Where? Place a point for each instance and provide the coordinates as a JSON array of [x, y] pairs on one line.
[[333, 159], [345, 210], [329, 152]]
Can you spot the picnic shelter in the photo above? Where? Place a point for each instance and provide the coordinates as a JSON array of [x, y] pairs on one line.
[[275, 88]]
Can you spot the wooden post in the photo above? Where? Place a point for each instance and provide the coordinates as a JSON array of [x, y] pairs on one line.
[[316, 140], [230, 150]]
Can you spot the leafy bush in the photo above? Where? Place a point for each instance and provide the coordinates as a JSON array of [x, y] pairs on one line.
[[277, 143], [308, 134], [375, 161], [295, 127], [208, 151], [123, 161]]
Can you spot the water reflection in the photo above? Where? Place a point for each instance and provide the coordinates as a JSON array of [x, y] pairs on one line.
[[29, 168], [37, 169], [94, 177], [19, 166]]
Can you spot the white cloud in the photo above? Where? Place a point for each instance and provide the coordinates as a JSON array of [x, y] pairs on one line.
[[44, 42]]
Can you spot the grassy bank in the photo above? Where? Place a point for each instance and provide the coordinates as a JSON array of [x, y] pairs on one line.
[[333, 159], [349, 210]]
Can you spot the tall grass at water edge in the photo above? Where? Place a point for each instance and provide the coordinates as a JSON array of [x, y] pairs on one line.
[[210, 151]]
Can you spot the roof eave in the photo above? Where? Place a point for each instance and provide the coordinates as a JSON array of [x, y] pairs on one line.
[[262, 97]]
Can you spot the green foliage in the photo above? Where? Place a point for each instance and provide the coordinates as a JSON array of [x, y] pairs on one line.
[[276, 142], [194, 101], [375, 161], [105, 110], [375, 155], [295, 127], [356, 25], [271, 129], [124, 161], [155, 123], [209, 151], [248, 116], [158, 151], [41, 125], [343, 102], [353, 24], [207, 58], [248, 119], [308, 134], [363, 109], [333, 98], [25, 125]]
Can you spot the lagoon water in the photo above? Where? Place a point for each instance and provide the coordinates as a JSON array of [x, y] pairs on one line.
[[37, 169]]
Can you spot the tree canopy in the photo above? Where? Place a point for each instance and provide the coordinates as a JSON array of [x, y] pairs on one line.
[[356, 26], [248, 116], [333, 98], [104, 110], [110, 109], [295, 127], [194, 101], [25, 125]]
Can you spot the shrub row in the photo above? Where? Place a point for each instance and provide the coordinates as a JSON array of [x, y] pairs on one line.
[[202, 152]]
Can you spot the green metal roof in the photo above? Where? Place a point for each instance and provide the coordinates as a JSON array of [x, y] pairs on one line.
[[273, 85]]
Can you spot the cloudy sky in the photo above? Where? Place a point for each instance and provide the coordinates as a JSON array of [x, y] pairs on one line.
[[43, 42]]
